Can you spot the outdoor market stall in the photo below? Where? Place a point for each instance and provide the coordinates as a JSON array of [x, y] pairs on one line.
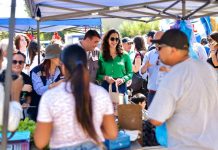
[[44, 10]]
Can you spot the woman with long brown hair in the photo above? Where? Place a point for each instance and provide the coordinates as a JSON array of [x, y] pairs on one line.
[[76, 114], [115, 66]]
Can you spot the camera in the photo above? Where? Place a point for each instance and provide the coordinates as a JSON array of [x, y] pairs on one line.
[[2, 76]]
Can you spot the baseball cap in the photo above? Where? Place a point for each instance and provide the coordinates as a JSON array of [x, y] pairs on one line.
[[52, 51], [126, 40], [174, 38]]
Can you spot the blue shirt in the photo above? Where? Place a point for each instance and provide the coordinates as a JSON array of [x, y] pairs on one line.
[[153, 73], [38, 85]]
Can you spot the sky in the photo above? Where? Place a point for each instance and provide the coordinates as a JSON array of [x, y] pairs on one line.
[[5, 7]]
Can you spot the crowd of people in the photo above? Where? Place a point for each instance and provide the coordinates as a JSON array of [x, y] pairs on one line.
[[67, 93]]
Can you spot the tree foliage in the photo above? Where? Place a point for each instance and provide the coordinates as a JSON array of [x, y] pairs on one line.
[[4, 35], [133, 28]]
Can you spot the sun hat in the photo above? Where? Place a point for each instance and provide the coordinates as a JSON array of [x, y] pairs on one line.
[[52, 51]]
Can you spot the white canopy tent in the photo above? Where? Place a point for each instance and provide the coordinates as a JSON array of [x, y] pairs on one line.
[[128, 9], [44, 10]]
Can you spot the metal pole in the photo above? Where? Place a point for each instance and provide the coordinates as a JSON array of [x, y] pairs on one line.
[[101, 31], [38, 40], [183, 8], [164, 10], [198, 9], [8, 76], [159, 11]]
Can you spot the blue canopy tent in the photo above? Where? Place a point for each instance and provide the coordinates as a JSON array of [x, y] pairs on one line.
[[28, 24]]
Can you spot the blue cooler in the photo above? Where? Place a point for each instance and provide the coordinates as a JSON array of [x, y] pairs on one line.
[[19, 141], [122, 141]]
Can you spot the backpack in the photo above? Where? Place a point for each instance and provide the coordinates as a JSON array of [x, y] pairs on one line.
[[137, 80]]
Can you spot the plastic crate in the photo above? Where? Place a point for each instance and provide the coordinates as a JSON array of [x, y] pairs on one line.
[[19, 141]]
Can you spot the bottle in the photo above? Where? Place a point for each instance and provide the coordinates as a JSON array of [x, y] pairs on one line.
[[23, 97]]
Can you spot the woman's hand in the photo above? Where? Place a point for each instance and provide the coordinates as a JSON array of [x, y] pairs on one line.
[[25, 105], [109, 79], [54, 84], [128, 83], [27, 87], [120, 81]]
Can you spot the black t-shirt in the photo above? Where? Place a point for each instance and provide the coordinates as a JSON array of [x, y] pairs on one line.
[[26, 80], [209, 60]]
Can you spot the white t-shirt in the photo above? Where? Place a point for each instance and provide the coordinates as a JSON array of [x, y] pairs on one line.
[[187, 99], [201, 52], [15, 111], [58, 106]]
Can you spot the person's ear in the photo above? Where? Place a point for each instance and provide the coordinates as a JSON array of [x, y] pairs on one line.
[[173, 50]]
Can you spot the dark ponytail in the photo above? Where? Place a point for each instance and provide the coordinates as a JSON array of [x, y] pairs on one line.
[[75, 61]]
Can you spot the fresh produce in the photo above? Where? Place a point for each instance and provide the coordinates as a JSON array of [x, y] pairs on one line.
[[27, 125]]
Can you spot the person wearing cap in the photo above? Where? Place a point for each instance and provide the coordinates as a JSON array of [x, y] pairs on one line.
[[127, 46], [153, 70], [187, 97], [45, 76], [150, 37], [90, 43]]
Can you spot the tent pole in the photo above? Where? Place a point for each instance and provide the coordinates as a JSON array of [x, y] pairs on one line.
[[183, 8], [38, 40], [164, 10], [193, 12], [169, 14], [8, 76], [101, 32]]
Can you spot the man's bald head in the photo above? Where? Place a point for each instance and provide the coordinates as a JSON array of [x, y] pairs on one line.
[[158, 35]]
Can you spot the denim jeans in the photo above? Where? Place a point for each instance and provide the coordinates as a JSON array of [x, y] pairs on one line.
[[83, 146], [122, 88]]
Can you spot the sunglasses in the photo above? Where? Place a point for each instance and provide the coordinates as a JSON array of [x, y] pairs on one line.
[[212, 42], [209, 40], [20, 62], [114, 39]]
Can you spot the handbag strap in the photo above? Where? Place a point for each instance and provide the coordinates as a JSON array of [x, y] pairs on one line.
[[110, 88]]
